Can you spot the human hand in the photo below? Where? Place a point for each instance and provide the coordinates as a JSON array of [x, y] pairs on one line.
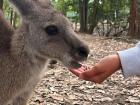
[[101, 71]]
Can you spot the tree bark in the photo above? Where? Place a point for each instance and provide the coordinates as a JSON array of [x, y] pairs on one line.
[[15, 20], [134, 25], [93, 18], [1, 4], [11, 17], [138, 34], [83, 6]]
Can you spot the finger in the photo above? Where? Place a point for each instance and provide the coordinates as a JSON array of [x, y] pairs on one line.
[[76, 72], [88, 74]]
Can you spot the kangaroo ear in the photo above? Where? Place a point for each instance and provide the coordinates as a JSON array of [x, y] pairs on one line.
[[25, 7]]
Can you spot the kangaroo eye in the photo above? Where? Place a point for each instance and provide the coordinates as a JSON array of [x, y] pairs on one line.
[[51, 30]]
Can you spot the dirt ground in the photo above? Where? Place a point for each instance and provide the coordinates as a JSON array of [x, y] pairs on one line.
[[60, 87]]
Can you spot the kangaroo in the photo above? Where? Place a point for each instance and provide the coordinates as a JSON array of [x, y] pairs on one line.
[[44, 33]]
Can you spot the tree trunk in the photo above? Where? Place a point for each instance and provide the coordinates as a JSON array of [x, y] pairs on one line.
[[93, 18], [1, 4], [138, 34], [11, 17], [83, 6], [134, 25], [15, 20]]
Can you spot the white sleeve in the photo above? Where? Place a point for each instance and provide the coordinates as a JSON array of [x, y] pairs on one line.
[[130, 60]]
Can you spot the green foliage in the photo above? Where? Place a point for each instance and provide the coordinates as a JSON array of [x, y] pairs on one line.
[[110, 10], [67, 7], [10, 14], [114, 10], [6, 9]]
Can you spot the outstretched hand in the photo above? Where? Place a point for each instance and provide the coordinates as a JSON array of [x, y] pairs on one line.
[[101, 71]]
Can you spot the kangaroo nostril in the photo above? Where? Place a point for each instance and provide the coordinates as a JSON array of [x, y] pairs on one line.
[[83, 52]]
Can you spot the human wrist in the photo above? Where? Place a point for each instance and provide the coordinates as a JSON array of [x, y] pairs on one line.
[[117, 62]]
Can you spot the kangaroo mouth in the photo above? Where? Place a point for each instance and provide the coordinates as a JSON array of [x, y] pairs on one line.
[[74, 64], [71, 62]]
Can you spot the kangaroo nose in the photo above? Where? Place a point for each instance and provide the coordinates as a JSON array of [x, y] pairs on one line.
[[83, 52]]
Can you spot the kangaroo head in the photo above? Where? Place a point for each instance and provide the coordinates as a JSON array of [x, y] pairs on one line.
[[49, 33]]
